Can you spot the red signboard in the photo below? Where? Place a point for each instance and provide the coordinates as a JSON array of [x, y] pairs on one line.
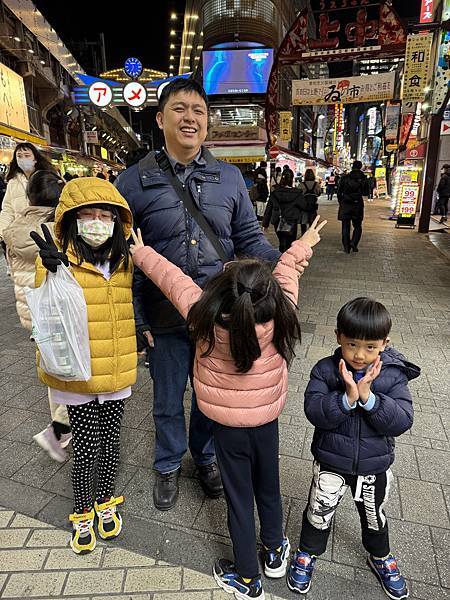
[[274, 152], [416, 153], [426, 11]]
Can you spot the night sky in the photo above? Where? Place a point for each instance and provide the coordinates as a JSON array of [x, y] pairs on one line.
[[138, 29]]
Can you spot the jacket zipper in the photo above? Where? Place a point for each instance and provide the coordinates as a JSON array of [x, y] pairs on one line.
[[114, 324], [358, 433]]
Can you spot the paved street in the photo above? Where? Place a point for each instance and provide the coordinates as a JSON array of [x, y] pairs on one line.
[[163, 556]]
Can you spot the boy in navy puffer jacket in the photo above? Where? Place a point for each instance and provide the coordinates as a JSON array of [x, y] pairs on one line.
[[359, 401]]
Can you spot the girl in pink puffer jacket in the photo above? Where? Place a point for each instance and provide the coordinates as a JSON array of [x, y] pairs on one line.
[[245, 328]]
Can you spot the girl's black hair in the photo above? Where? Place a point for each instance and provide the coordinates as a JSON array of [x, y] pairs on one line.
[[287, 179], [243, 295], [44, 188], [364, 319], [42, 164], [114, 249]]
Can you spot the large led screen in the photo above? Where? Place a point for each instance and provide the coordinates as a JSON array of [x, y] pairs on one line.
[[237, 71]]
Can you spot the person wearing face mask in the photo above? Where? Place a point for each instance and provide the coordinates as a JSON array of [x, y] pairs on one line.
[[26, 160], [92, 225]]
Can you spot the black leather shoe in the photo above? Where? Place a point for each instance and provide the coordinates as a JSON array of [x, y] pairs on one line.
[[355, 248], [347, 250], [165, 490], [210, 480]]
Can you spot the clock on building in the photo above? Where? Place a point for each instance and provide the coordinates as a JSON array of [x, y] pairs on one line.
[[133, 68]]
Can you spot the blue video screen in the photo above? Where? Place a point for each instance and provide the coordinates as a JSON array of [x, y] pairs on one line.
[[237, 71]]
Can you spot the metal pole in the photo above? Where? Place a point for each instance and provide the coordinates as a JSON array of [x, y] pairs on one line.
[[431, 166], [83, 136], [102, 47]]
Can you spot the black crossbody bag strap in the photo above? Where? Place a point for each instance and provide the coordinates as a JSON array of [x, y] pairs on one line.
[[188, 202]]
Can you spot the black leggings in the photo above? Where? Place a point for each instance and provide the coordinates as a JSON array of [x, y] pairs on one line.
[[96, 440]]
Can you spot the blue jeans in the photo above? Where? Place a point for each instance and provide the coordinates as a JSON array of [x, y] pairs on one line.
[[171, 363]]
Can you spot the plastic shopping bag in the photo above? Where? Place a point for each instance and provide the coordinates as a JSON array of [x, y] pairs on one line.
[[60, 326]]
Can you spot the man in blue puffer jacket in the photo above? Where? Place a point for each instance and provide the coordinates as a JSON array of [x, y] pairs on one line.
[[358, 401], [219, 191]]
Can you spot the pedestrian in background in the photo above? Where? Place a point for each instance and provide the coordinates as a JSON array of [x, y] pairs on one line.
[[283, 211], [43, 192], [311, 190], [353, 188], [92, 224], [443, 190], [26, 160], [331, 185], [358, 401], [244, 327]]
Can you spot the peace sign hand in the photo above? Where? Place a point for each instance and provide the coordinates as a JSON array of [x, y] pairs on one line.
[[138, 243], [49, 253], [312, 235]]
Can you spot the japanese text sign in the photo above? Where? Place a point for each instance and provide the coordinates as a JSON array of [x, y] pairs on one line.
[[408, 199], [285, 120], [345, 90], [417, 67], [13, 103], [426, 11]]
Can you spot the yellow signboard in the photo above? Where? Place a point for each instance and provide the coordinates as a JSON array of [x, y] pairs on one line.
[[13, 103], [242, 159], [417, 66], [285, 120]]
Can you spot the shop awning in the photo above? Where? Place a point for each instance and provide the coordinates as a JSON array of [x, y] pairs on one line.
[[303, 156], [239, 154], [22, 135]]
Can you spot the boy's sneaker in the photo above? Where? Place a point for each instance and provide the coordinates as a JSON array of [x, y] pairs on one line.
[[275, 561], [109, 519], [229, 580], [300, 572], [83, 538], [47, 440], [387, 571]]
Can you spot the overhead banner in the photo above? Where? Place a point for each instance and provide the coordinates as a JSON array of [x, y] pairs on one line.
[[285, 120], [13, 103], [391, 121], [417, 67], [346, 90]]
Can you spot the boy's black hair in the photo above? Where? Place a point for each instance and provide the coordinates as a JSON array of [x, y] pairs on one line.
[[180, 84], [364, 319], [44, 188], [113, 250], [244, 294]]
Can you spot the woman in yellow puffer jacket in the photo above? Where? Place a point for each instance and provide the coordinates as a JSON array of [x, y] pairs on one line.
[[92, 223]]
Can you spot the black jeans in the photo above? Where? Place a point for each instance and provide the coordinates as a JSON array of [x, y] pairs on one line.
[[285, 240], [348, 242], [370, 492], [248, 462], [443, 206]]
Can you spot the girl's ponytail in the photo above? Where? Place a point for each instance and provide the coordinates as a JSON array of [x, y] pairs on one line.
[[244, 343]]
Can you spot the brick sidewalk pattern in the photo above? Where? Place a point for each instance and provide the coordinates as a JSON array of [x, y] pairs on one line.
[[400, 268]]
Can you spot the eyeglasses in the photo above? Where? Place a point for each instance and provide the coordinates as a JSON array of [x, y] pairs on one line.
[[88, 215]]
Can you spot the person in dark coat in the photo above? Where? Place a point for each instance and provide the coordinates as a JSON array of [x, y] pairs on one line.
[[443, 190], [358, 401], [311, 191], [353, 188], [283, 211], [219, 191]]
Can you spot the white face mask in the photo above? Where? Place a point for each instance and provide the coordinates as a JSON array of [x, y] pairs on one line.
[[95, 232], [26, 164]]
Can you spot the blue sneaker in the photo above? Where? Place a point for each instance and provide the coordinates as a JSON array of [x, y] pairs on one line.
[[275, 561], [229, 580], [300, 572], [387, 571]]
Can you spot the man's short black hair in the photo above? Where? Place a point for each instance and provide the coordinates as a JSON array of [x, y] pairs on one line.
[[364, 319], [357, 165], [181, 84]]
